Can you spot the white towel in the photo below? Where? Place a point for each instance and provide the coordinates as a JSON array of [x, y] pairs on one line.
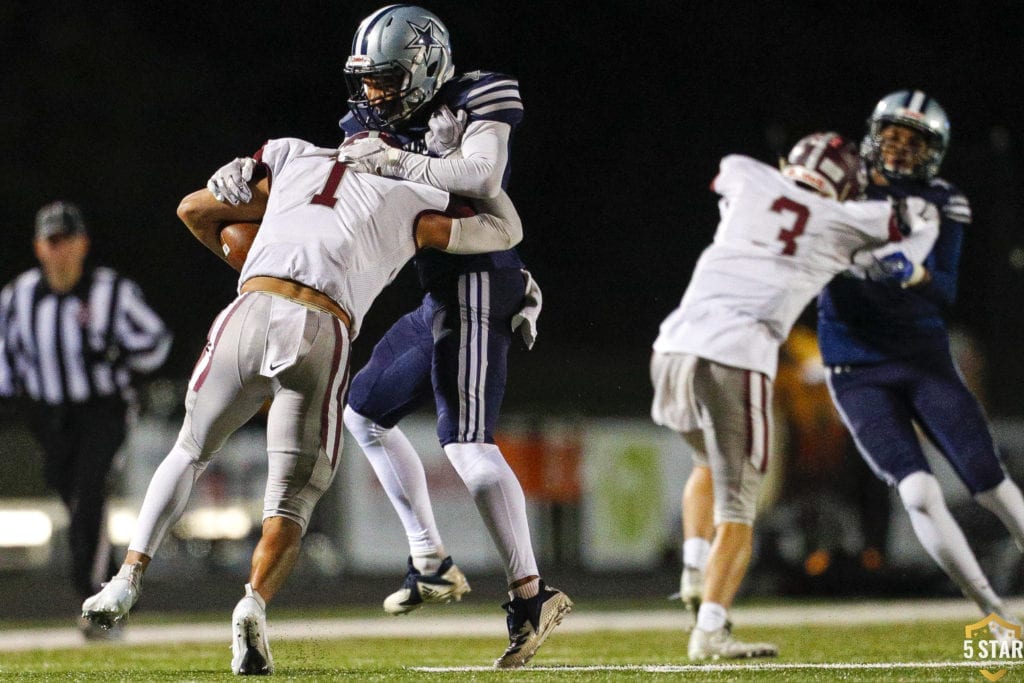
[[526, 319]]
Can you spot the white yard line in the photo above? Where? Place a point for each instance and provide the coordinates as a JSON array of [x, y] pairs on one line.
[[692, 668], [448, 622]]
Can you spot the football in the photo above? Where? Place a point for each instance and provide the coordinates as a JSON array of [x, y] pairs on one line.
[[235, 240], [460, 207]]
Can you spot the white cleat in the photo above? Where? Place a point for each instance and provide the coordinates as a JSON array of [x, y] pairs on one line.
[[448, 583], [250, 648], [721, 645], [112, 604], [691, 588], [1006, 634]]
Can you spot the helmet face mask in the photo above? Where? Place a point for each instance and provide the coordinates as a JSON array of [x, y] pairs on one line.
[[401, 56], [827, 164], [377, 95], [907, 137]]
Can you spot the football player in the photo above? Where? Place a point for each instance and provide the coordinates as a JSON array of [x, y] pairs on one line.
[[329, 242], [888, 357], [781, 238], [456, 129]]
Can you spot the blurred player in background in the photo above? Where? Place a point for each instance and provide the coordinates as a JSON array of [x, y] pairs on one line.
[[73, 338], [888, 357], [456, 131], [781, 238], [329, 242]]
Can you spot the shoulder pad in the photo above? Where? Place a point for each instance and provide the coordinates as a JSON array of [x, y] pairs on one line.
[[350, 125], [486, 96], [952, 201]]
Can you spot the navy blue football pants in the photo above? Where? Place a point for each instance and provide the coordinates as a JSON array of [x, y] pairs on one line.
[[455, 345], [879, 402]]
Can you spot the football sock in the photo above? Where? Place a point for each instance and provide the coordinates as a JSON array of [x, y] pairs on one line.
[[942, 538], [695, 553], [526, 590], [165, 500], [1006, 503], [401, 474], [711, 616], [427, 564], [500, 500]]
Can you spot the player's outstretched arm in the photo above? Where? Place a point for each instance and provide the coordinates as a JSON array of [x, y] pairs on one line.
[[902, 262], [204, 215], [497, 227]]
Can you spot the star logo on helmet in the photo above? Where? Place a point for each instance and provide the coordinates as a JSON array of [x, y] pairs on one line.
[[424, 36]]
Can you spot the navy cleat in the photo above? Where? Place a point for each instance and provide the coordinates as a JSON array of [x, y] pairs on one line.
[[448, 583], [530, 622]]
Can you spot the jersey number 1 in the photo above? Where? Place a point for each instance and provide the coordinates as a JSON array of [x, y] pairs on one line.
[[788, 235], [325, 197]]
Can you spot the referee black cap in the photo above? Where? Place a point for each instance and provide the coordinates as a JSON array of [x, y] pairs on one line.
[[59, 218]]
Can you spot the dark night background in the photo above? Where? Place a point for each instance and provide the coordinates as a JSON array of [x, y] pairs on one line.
[[125, 107]]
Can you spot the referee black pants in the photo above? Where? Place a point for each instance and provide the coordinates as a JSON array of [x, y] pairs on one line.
[[79, 442]]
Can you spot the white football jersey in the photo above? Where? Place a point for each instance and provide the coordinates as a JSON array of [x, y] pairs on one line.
[[776, 247], [343, 233]]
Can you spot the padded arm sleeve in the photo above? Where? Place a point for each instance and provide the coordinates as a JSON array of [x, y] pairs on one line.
[[475, 170], [496, 228]]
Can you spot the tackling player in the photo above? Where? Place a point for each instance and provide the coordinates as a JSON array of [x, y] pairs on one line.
[[456, 130], [889, 362], [781, 238], [328, 243]]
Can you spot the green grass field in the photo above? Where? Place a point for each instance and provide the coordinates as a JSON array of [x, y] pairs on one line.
[[928, 651]]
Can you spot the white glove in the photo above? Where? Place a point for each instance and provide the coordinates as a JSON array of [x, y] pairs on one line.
[[355, 148], [230, 183], [445, 132], [918, 214], [370, 154]]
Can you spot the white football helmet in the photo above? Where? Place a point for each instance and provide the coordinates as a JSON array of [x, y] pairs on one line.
[[404, 54], [829, 164], [916, 110]]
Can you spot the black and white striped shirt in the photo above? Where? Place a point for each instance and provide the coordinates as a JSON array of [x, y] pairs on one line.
[[70, 348]]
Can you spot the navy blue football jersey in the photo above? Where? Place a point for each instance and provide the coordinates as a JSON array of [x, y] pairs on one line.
[[860, 321], [486, 96]]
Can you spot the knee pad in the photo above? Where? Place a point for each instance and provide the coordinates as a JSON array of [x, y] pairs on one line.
[[920, 491], [362, 428], [480, 465]]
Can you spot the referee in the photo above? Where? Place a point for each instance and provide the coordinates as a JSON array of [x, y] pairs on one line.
[[71, 338]]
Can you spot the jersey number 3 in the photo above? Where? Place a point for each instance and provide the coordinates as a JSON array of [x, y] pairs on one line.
[[788, 235]]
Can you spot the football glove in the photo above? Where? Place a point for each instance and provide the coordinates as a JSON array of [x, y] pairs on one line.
[[445, 132], [230, 183], [370, 154], [918, 214], [896, 267]]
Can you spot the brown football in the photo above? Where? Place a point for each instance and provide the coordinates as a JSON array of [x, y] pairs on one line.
[[235, 240]]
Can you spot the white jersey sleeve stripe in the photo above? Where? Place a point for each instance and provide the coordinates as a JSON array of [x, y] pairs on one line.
[[497, 95], [500, 106], [505, 84]]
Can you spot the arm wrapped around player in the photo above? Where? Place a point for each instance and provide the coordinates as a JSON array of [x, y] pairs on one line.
[[473, 169], [496, 227]]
